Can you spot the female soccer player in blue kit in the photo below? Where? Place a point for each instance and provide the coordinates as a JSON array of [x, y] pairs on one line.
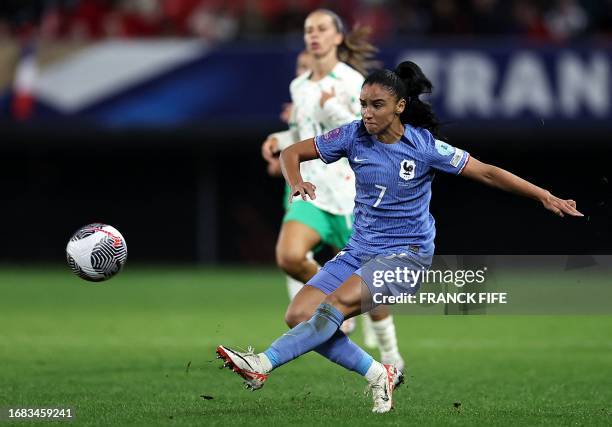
[[394, 154]]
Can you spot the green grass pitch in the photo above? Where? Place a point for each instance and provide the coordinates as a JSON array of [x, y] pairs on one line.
[[118, 352]]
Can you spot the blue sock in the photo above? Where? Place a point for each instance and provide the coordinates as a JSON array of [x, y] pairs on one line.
[[341, 350], [305, 336]]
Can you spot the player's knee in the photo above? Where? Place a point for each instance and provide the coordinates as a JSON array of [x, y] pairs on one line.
[[295, 316], [291, 262]]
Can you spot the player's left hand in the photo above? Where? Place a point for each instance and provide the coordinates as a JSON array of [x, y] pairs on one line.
[[327, 95], [559, 206], [303, 189]]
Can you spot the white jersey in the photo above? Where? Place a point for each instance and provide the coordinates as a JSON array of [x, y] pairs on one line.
[[335, 182]]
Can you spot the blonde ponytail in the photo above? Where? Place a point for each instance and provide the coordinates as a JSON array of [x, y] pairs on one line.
[[357, 51]]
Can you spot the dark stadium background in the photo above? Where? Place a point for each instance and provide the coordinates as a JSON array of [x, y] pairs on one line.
[[178, 198]]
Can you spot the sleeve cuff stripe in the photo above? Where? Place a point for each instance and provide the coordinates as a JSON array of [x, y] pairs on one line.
[[467, 158]]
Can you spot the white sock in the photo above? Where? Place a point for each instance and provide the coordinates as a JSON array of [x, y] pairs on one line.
[[265, 362], [293, 287], [375, 371], [387, 340], [369, 337]]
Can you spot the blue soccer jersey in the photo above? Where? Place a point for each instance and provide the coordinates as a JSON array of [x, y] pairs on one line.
[[393, 183]]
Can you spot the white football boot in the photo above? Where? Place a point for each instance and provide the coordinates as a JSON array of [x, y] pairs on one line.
[[382, 388], [246, 364]]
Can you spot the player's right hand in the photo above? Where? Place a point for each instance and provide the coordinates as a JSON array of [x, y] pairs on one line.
[[303, 189], [269, 148]]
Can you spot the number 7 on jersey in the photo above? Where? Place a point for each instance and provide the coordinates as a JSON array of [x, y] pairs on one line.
[[381, 195]]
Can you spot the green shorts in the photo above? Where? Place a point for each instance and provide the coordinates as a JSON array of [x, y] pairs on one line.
[[335, 230]]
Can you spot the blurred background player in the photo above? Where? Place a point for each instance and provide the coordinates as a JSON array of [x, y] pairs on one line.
[[324, 97], [303, 64]]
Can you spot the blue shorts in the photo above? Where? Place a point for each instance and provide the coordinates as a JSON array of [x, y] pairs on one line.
[[390, 274]]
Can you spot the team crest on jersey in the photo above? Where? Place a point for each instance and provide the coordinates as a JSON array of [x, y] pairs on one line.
[[407, 168], [332, 135]]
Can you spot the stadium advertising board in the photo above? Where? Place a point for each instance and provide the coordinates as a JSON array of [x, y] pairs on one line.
[[186, 83]]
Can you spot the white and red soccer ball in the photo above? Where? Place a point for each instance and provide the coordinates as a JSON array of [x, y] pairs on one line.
[[96, 252]]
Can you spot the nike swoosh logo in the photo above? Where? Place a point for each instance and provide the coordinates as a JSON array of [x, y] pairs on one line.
[[358, 160]]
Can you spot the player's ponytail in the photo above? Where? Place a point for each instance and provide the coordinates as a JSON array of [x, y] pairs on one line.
[[407, 81], [417, 113], [355, 49]]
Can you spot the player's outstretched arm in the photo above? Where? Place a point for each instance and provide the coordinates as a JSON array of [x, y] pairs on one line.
[[290, 160], [504, 180]]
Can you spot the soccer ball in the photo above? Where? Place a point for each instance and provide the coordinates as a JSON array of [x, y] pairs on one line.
[[96, 252]]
